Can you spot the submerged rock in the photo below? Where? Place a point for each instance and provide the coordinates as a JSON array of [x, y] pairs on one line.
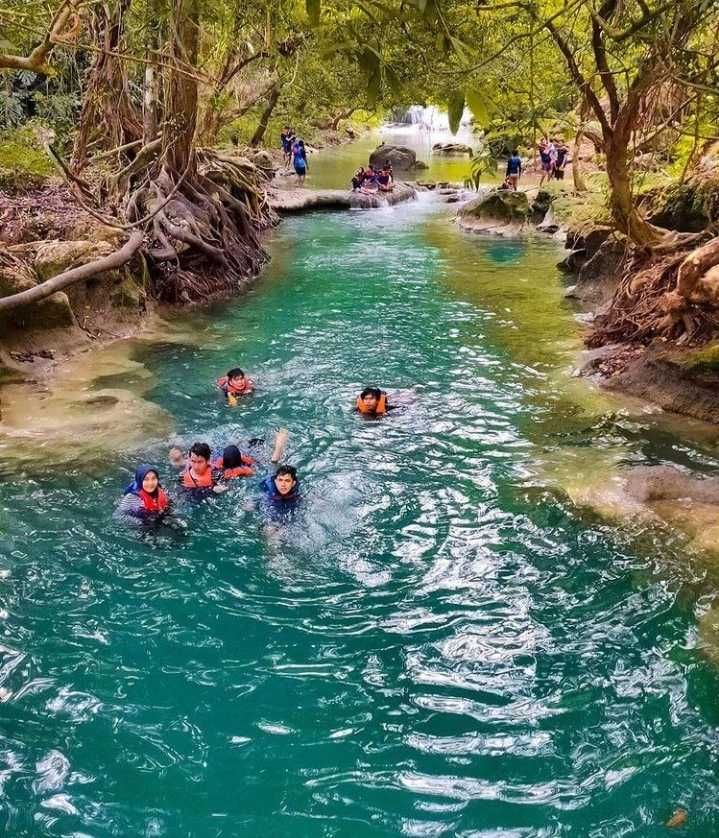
[[452, 148]]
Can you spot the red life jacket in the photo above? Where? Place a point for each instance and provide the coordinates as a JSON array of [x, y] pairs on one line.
[[380, 410], [189, 481], [154, 505], [245, 470], [232, 390]]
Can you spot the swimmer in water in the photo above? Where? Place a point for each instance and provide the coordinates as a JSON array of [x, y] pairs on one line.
[[233, 464], [234, 385], [177, 457], [373, 402], [198, 478], [144, 501], [281, 489]]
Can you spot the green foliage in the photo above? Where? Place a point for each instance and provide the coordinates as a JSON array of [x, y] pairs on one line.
[[455, 109], [23, 165], [484, 164]]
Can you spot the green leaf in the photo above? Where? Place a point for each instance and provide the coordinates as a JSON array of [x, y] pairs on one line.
[[314, 7], [477, 103], [455, 108]]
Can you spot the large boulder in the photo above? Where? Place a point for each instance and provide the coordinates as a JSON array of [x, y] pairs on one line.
[[403, 159], [500, 211], [540, 206], [452, 149]]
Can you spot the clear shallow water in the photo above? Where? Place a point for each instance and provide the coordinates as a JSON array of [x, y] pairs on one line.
[[438, 645]]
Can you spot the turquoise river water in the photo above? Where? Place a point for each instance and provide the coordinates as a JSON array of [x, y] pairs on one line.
[[439, 644]]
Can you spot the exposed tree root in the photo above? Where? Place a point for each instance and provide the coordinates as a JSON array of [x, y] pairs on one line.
[[675, 297], [203, 232]]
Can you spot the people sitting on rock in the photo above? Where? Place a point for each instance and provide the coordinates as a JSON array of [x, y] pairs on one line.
[[370, 184], [562, 152], [514, 171], [144, 501], [385, 180], [234, 385], [233, 464], [199, 478], [358, 179], [299, 159]]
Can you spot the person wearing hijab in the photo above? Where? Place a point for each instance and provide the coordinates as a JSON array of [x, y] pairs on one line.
[[144, 501]]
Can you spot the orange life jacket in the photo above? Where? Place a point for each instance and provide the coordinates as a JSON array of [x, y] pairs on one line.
[[380, 410], [245, 470], [154, 505], [232, 390], [189, 481]]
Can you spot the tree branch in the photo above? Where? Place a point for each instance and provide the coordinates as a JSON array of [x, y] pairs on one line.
[[600, 56], [63, 280], [37, 61]]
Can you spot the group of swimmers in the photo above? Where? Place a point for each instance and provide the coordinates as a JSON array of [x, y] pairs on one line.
[[203, 473], [371, 179], [295, 153]]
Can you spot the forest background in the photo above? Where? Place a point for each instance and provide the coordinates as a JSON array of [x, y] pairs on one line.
[[146, 108]]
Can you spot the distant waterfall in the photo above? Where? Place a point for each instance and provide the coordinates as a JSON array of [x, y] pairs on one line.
[[428, 118]]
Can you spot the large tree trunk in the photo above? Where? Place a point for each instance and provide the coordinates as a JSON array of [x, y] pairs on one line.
[[259, 134], [580, 184], [108, 114], [628, 219], [181, 98]]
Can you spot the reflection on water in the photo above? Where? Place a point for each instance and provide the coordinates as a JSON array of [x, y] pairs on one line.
[[439, 643]]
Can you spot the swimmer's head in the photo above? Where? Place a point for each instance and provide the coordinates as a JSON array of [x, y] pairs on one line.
[[370, 397], [150, 482], [231, 457], [176, 457], [236, 377], [285, 479], [200, 457]]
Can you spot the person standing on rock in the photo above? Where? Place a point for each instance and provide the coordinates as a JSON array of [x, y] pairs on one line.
[[286, 142], [547, 153], [514, 169], [299, 160]]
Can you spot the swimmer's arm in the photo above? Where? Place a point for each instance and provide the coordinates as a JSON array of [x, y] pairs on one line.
[[278, 451]]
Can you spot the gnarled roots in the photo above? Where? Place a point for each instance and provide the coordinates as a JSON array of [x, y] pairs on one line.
[[675, 297], [202, 225]]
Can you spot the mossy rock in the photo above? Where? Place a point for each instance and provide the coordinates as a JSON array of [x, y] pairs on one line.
[[705, 359], [23, 165], [54, 312], [128, 294], [688, 207], [499, 205], [54, 257]]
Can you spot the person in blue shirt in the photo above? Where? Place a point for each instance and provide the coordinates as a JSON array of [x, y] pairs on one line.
[[514, 169], [299, 160]]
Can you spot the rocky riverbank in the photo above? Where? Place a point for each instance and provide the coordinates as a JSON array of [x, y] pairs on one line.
[[287, 201]]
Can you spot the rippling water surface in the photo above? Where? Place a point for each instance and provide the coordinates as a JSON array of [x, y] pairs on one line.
[[439, 644]]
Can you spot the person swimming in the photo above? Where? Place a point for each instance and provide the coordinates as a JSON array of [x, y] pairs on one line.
[[234, 385], [177, 457], [199, 478], [373, 402], [233, 463], [144, 500], [281, 489]]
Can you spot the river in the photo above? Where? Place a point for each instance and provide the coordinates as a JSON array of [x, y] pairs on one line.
[[440, 643]]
